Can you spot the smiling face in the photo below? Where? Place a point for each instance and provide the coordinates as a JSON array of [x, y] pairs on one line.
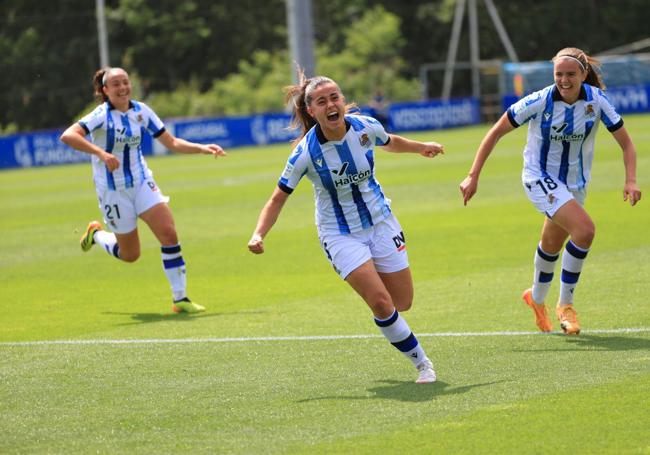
[[118, 88], [327, 106], [569, 76]]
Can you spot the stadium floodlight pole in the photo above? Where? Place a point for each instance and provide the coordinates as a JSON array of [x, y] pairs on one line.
[[301, 36], [101, 33], [474, 54], [453, 49]]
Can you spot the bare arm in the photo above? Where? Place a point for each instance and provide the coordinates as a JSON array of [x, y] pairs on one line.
[[399, 144], [268, 217], [470, 184], [631, 191], [176, 144], [75, 137]]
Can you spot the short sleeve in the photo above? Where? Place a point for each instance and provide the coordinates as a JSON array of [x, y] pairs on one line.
[[95, 120], [152, 122], [526, 108], [608, 114], [295, 169]]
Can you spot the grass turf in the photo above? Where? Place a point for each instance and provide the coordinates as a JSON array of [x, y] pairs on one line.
[[509, 394]]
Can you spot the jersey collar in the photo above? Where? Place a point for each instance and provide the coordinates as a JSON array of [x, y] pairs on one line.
[[581, 96], [111, 107], [321, 137]]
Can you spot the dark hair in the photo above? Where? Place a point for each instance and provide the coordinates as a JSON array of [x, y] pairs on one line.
[[298, 97], [98, 84], [588, 64]]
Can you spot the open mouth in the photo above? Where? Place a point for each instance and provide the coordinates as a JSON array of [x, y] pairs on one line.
[[333, 116]]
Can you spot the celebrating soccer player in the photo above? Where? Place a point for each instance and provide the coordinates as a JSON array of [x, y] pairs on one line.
[[557, 162], [124, 184], [357, 230]]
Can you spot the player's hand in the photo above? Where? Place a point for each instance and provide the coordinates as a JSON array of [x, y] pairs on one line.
[[431, 149], [468, 188], [631, 193], [256, 244], [213, 149], [110, 161]]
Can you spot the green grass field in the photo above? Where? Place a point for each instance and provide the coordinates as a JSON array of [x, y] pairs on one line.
[[136, 378]]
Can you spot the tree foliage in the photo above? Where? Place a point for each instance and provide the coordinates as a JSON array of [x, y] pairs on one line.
[[188, 55]]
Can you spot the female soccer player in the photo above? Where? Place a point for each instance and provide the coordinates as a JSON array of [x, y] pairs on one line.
[[557, 161], [357, 230], [123, 182]]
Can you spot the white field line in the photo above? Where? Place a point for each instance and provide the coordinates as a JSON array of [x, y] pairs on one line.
[[301, 338]]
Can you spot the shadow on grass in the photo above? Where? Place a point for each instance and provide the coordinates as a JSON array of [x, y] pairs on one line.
[[147, 318], [597, 343], [406, 391]]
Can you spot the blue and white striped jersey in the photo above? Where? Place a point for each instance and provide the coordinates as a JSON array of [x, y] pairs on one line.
[[561, 136], [348, 197], [120, 133]]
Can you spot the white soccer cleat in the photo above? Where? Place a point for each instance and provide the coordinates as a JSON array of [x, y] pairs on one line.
[[426, 373]]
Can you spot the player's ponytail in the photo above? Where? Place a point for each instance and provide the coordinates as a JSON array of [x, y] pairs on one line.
[[295, 99], [588, 64], [99, 80]]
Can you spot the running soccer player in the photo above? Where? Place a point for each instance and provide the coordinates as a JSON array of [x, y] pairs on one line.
[[557, 162], [123, 182], [357, 230]]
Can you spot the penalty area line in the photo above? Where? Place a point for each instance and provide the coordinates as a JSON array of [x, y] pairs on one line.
[[305, 338]]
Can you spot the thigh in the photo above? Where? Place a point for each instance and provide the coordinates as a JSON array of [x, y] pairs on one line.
[[118, 210], [400, 287], [160, 220], [366, 282]]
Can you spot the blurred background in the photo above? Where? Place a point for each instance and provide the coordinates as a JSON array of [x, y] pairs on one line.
[[207, 58]]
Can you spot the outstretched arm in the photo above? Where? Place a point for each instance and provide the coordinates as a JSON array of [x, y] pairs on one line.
[[399, 144], [268, 217], [176, 144], [470, 184], [631, 191], [75, 137]]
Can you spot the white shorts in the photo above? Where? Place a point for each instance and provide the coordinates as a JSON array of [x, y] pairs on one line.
[[384, 243], [548, 195], [121, 208]]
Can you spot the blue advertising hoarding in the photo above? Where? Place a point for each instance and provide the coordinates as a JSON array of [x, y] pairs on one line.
[[44, 148]]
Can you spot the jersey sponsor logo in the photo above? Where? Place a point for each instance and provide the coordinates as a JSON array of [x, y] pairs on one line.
[[573, 137], [559, 129], [352, 178], [342, 170], [364, 140], [130, 140], [400, 241]]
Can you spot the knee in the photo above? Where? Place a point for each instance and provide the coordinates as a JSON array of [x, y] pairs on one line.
[[586, 236], [381, 305], [167, 235], [129, 256], [403, 304]]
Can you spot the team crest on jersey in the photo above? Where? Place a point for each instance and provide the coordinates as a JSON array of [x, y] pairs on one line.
[[551, 198], [139, 118], [589, 110], [364, 140]]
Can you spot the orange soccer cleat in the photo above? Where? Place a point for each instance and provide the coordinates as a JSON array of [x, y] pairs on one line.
[[568, 319], [541, 315]]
